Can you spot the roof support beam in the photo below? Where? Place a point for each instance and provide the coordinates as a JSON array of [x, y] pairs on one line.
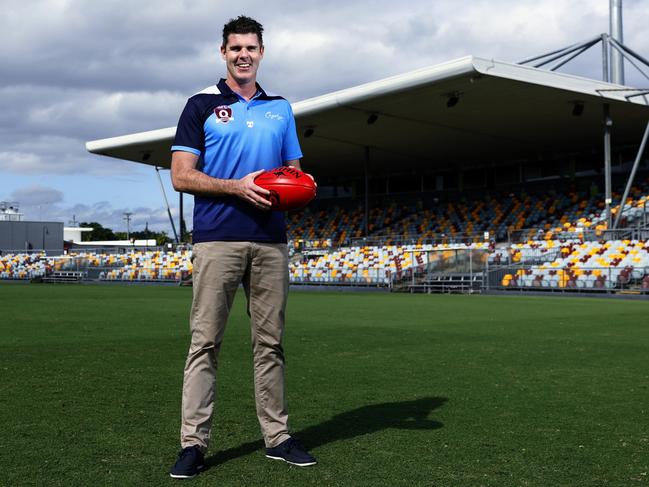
[[181, 217], [563, 50], [164, 195], [608, 123], [578, 53], [629, 183], [605, 54], [366, 230], [559, 53], [631, 52], [626, 54]]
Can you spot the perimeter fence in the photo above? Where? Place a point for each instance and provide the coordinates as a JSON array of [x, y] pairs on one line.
[[440, 239], [630, 280], [583, 235]]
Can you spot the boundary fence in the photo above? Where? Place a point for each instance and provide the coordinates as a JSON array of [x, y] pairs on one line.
[[584, 235], [564, 278]]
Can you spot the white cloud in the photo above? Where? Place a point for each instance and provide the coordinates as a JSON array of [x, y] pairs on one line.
[[102, 212], [14, 161], [52, 154], [37, 195]]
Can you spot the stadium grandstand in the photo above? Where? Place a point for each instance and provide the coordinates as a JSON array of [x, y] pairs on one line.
[[473, 175], [550, 243]]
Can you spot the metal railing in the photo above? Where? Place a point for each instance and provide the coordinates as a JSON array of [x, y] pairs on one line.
[[445, 270], [640, 232], [344, 277], [561, 279], [438, 239]]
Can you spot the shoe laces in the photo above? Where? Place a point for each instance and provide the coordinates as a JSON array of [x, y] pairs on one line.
[[294, 444], [192, 450]]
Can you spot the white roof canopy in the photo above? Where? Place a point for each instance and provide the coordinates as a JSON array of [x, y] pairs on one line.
[[503, 111]]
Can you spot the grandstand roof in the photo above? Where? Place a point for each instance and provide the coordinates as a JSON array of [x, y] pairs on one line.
[[503, 111]]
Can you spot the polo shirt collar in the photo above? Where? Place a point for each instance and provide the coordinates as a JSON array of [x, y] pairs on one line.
[[227, 91]]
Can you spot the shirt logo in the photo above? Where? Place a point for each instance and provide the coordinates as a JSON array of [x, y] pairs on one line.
[[274, 116], [223, 114], [250, 124]]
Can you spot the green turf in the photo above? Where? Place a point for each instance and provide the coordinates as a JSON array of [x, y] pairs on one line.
[[385, 389]]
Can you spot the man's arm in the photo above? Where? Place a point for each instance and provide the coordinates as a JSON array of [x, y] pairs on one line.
[[295, 163], [186, 178]]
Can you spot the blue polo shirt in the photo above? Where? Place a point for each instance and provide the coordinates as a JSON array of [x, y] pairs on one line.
[[234, 137]]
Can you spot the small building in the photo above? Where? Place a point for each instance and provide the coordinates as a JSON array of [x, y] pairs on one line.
[[26, 236], [73, 234], [9, 212]]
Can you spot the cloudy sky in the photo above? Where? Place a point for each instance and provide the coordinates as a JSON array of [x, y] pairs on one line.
[[79, 70]]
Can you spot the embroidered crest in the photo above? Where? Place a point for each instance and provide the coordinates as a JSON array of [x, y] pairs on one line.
[[223, 114]]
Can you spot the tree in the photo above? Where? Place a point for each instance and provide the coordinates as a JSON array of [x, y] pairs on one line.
[[98, 232], [161, 238], [101, 233]]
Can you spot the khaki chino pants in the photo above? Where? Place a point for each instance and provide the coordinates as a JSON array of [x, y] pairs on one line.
[[219, 268]]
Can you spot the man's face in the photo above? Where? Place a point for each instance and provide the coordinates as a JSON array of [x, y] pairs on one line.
[[242, 55]]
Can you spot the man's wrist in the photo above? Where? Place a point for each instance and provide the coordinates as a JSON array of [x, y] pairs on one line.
[[230, 186]]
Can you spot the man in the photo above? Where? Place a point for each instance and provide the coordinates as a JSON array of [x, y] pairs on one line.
[[227, 135]]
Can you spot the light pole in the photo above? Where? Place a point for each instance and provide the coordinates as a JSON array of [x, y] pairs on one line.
[[127, 217], [46, 231]]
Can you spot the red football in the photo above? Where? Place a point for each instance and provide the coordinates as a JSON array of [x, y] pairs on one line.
[[289, 188]]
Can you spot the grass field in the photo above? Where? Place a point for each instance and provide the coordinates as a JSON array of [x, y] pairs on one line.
[[385, 389]]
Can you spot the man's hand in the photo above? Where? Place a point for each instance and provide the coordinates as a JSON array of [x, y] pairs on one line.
[[246, 189]]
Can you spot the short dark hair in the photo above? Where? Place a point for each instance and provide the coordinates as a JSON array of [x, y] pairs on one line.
[[242, 25]]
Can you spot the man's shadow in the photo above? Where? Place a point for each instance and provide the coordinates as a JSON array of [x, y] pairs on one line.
[[350, 424]]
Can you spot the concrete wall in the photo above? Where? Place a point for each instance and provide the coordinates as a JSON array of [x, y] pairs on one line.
[[21, 236]]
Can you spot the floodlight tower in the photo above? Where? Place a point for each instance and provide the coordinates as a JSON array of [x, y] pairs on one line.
[[613, 72], [127, 217], [615, 30]]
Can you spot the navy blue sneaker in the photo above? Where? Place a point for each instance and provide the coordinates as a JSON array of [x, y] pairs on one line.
[[189, 463], [291, 451]]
